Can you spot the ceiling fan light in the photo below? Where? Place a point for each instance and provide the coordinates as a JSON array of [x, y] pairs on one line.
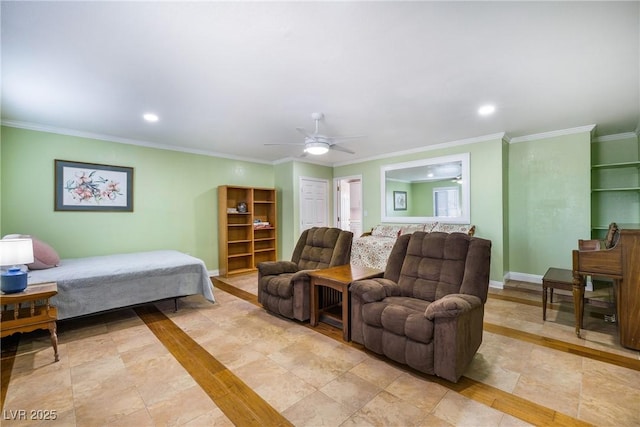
[[316, 148]]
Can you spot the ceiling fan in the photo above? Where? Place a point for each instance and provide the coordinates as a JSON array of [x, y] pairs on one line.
[[316, 143]]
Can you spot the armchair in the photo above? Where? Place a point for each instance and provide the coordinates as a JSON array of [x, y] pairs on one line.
[[427, 310], [283, 286]]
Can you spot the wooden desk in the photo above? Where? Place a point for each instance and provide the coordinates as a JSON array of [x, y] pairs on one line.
[[338, 279], [30, 310]]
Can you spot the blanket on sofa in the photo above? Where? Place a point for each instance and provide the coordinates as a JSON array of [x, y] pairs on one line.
[[372, 249]]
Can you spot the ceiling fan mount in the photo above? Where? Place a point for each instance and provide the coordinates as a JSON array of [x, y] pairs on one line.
[[315, 143]]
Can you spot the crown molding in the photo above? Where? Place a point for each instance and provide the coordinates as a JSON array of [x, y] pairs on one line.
[[475, 140], [301, 160], [111, 138], [552, 134], [616, 137]]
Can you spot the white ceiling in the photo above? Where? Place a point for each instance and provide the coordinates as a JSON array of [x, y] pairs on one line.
[[227, 77]]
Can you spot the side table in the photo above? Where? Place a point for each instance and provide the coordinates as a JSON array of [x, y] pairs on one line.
[[336, 278], [30, 310]]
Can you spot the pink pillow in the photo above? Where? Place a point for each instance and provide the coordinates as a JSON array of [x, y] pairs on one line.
[[44, 256]]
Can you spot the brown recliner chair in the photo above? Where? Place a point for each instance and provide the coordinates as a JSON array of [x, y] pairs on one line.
[[428, 309], [283, 286]]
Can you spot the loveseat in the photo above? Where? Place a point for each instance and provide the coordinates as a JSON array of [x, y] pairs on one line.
[[372, 249]]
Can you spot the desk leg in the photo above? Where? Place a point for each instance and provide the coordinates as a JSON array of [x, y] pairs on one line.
[[54, 339], [578, 301], [313, 303]]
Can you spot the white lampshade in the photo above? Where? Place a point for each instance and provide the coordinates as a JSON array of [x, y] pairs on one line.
[[16, 251]]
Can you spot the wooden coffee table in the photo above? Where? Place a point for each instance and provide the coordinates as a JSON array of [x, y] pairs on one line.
[[334, 302], [30, 310]]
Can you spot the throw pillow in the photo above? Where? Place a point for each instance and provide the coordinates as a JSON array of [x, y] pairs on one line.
[[44, 256]]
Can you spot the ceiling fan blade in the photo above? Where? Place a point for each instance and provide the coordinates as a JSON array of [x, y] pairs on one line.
[[305, 133], [347, 137], [338, 148]]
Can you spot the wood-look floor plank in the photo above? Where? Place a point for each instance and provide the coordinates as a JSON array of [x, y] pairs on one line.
[[9, 349], [239, 402]]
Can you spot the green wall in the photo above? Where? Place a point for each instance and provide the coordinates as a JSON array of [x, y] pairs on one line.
[[398, 186], [549, 201], [175, 196], [285, 189], [486, 165], [531, 199]]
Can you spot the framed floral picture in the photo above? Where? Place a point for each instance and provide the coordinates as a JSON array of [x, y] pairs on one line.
[[399, 200], [93, 187]]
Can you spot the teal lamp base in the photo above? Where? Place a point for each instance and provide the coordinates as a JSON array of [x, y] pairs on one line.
[[14, 280]]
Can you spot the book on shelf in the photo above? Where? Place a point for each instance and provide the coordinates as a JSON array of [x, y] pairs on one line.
[[261, 224]]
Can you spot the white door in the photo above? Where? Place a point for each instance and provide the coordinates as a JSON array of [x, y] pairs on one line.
[[348, 204], [314, 205]]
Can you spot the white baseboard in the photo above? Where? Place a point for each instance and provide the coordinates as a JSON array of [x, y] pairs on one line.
[[214, 272], [496, 284], [523, 277]]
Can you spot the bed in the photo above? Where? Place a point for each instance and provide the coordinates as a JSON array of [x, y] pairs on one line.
[[95, 284]]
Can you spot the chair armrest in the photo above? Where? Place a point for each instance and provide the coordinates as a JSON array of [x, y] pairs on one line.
[[452, 305], [363, 292], [371, 290], [273, 268], [301, 275], [457, 333]]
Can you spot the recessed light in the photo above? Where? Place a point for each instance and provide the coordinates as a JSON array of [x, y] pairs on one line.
[[486, 110], [150, 117]]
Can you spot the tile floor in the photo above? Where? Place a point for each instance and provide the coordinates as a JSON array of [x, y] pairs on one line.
[[114, 371]]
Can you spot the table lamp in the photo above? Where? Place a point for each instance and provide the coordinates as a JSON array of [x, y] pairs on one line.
[[14, 253]]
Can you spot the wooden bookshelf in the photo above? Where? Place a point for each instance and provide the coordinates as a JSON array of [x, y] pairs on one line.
[[245, 238]]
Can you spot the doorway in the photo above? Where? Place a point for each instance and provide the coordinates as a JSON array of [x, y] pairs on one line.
[[348, 203]]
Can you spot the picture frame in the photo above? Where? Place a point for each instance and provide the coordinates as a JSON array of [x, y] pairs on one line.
[[92, 187], [399, 200]]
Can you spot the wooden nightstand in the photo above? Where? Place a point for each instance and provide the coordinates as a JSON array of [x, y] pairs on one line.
[[30, 310]]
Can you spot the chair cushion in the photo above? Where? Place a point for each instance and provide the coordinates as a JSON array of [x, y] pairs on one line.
[[318, 249], [434, 265], [401, 315], [280, 285]]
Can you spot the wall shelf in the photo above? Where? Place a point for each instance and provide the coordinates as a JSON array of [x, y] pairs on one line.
[[615, 185]]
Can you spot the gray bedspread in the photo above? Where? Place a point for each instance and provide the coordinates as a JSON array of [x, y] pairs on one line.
[[93, 284]]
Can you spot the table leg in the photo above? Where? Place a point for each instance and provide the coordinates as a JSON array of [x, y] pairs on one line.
[[54, 340], [578, 301], [345, 313], [313, 303], [544, 302]]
